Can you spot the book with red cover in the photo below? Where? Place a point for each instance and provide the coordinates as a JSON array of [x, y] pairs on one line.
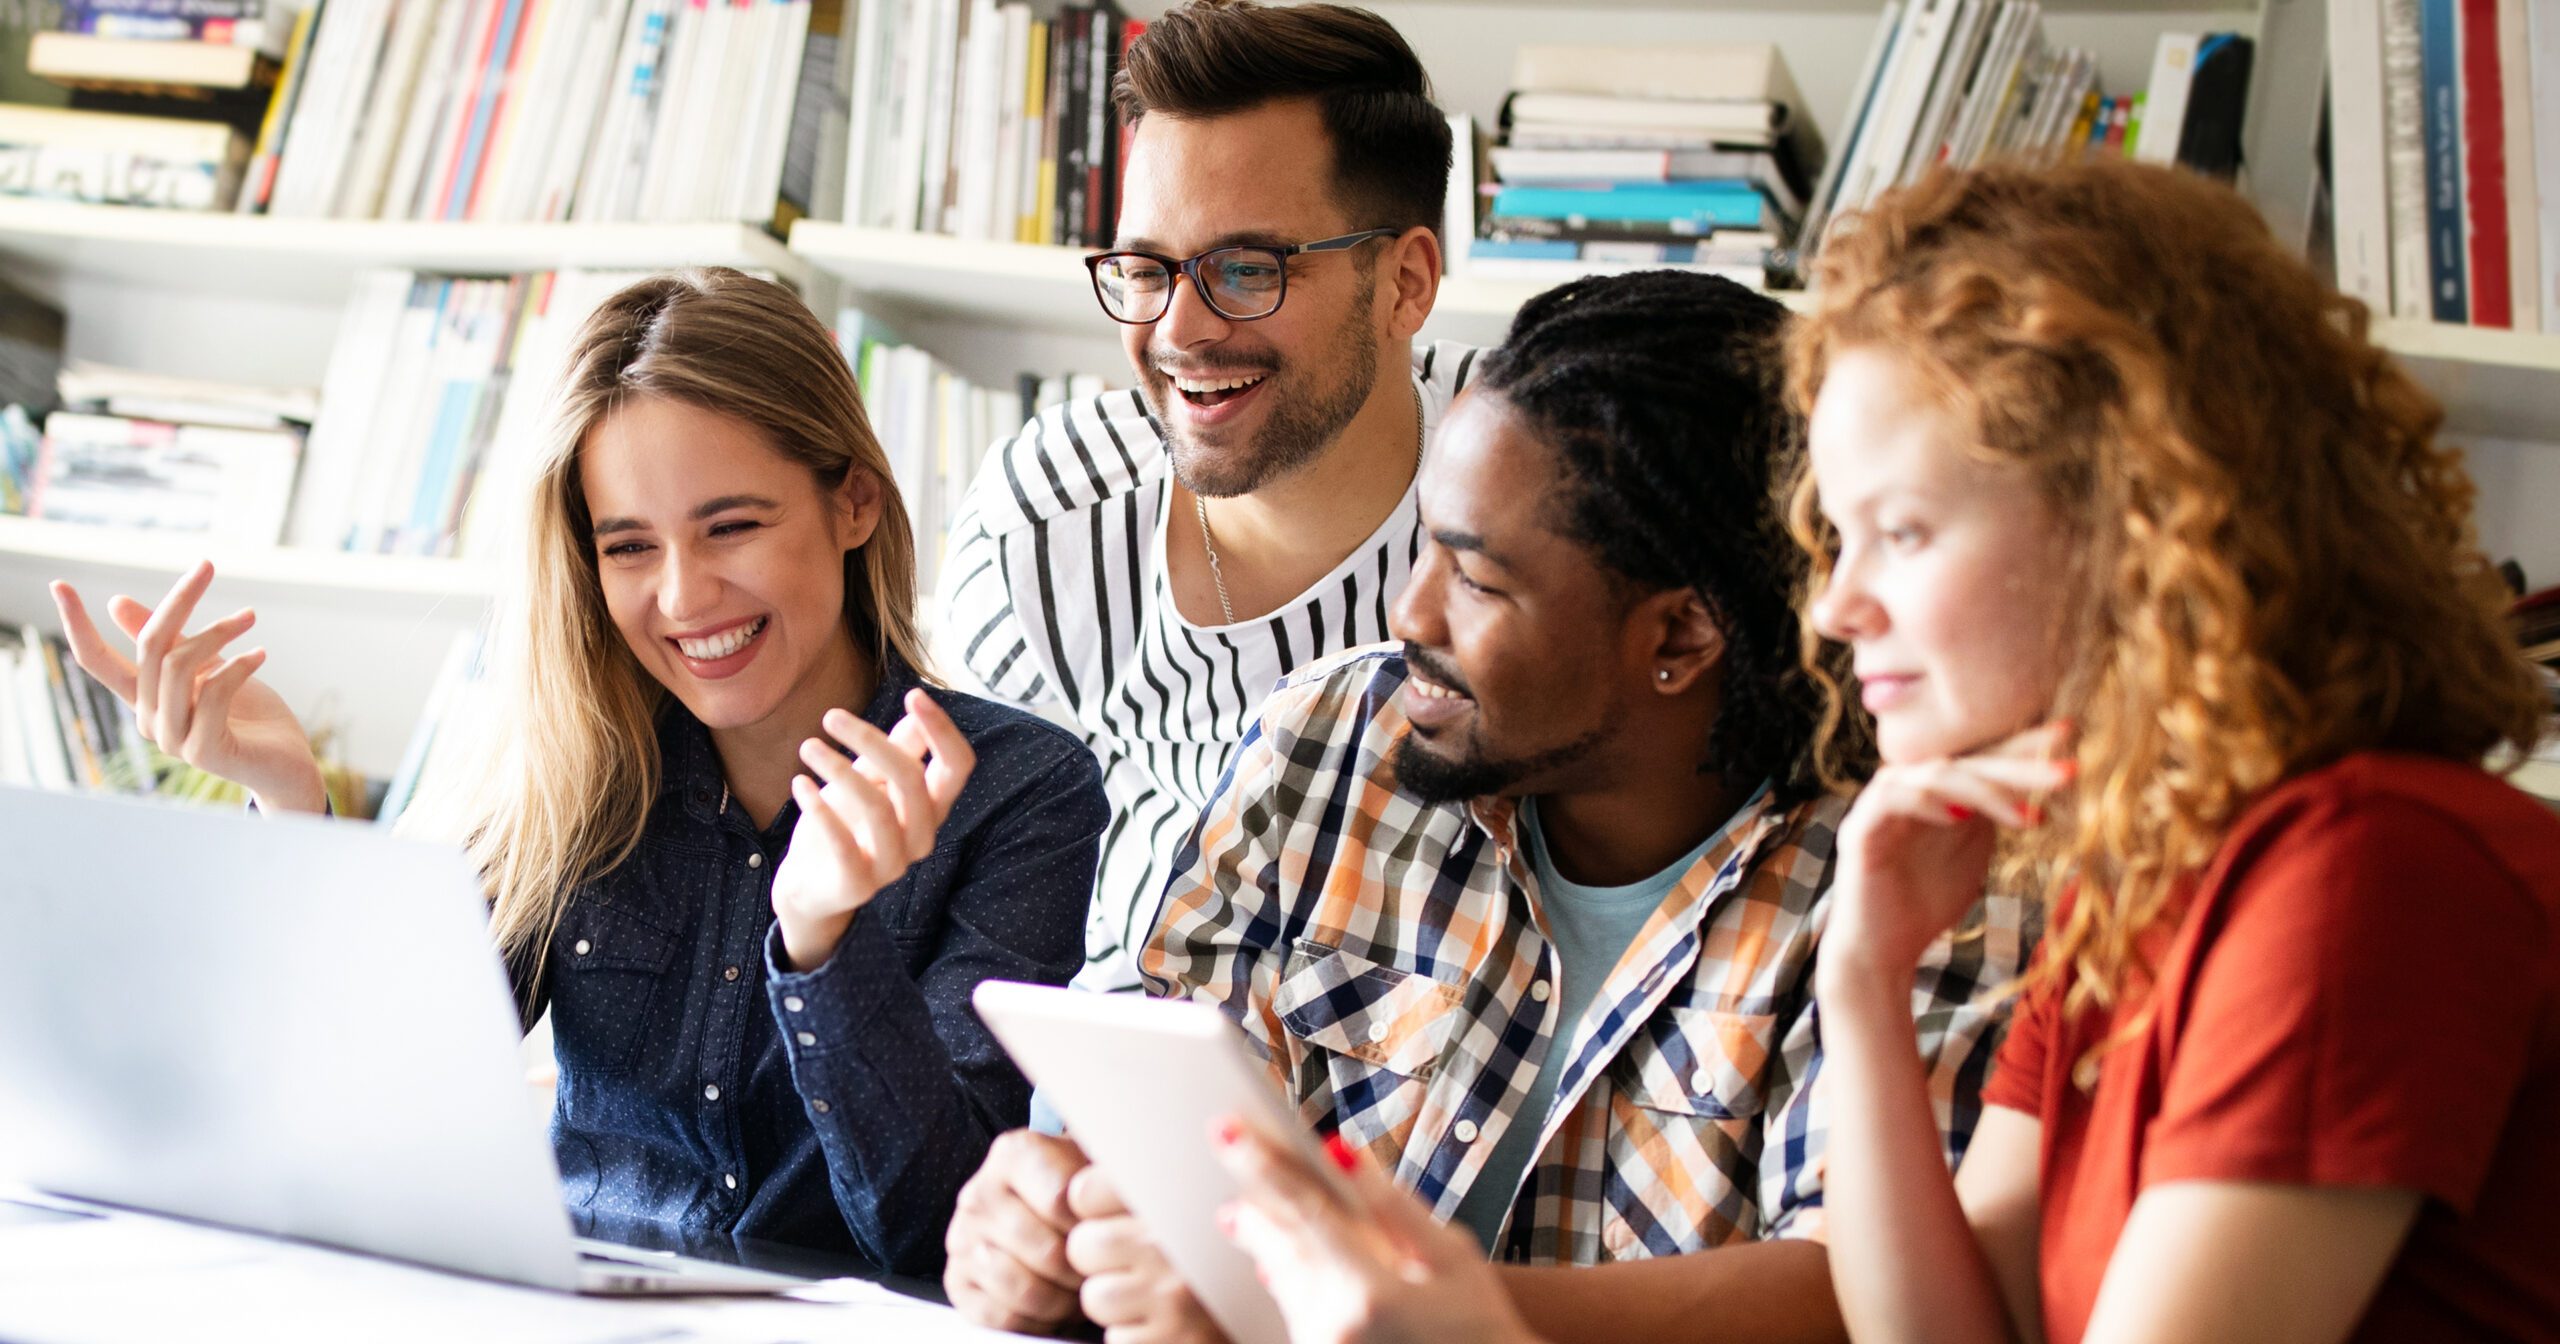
[[2484, 168]]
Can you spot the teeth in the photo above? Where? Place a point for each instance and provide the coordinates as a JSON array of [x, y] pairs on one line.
[[721, 645], [1430, 692], [1197, 385]]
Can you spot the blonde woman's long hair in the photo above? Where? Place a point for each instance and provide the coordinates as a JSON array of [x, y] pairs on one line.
[[567, 767], [2278, 567]]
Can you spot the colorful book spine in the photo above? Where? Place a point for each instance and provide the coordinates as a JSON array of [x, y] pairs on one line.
[[1738, 207], [2439, 37], [2484, 169]]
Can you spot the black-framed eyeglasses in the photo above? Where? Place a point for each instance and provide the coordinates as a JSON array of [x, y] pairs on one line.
[[1240, 283]]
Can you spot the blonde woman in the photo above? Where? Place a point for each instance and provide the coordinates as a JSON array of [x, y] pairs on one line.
[[747, 855], [2159, 590]]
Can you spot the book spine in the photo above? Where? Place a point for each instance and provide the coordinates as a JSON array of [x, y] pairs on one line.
[[110, 177], [1101, 156], [1071, 123], [2361, 202], [2484, 168], [2439, 45], [2404, 103], [258, 181], [2545, 60], [2524, 186]]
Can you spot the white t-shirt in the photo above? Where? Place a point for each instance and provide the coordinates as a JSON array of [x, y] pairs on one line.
[[1054, 598]]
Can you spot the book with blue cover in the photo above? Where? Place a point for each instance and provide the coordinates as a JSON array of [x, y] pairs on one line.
[[2440, 74], [1708, 204]]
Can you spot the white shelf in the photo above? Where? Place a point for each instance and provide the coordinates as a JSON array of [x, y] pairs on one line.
[[2500, 384], [168, 554], [311, 259], [1038, 288]]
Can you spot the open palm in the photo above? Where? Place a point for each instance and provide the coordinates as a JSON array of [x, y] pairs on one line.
[[195, 701]]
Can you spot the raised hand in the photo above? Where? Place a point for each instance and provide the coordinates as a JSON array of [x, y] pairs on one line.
[[1366, 1265], [863, 821], [195, 701], [1916, 847]]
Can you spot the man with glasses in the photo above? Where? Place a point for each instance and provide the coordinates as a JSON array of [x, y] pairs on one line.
[[1150, 563]]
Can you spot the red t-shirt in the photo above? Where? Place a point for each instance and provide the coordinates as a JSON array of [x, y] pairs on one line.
[[2363, 990]]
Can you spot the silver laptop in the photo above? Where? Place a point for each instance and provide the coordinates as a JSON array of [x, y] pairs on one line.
[[292, 1026]]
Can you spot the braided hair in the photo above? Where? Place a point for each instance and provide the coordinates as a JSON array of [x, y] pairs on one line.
[[1659, 393]]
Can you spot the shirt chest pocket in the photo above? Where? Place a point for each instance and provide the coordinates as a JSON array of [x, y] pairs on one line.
[[1372, 1035], [610, 978], [1703, 1063]]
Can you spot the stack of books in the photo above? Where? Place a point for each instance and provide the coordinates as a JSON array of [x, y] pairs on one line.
[[437, 384], [165, 102], [140, 451], [936, 425], [1619, 158], [2444, 158], [546, 110], [1960, 82], [982, 120], [59, 729]]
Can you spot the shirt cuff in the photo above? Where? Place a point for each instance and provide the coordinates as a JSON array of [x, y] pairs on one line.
[[828, 1008]]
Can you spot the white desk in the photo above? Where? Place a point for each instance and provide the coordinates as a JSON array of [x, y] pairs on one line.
[[115, 1277]]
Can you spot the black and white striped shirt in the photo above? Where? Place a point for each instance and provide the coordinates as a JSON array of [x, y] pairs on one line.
[[1054, 598]]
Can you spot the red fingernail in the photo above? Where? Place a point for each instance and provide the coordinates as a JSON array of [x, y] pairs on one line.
[[1959, 812], [1229, 1132], [1341, 1152], [2031, 814], [2070, 769]]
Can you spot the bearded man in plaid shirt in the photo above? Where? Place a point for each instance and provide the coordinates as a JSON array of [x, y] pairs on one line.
[[1525, 909]]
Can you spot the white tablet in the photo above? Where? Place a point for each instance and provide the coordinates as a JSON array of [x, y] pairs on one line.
[[1140, 1082]]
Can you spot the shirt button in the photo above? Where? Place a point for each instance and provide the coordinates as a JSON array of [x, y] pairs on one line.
[[1466, 1131], [728, 972], [729, 1180], [583, 947], [1377, 1032], [820, 1106], [792, 1003], [807, 1038], [711, 1092], [1701, 1082], [1618, 1238], [755, 860], [1538, 990]]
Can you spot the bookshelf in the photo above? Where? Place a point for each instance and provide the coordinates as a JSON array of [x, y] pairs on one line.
[[138, 558], [312, 259], [357, 637], [1045, 289]]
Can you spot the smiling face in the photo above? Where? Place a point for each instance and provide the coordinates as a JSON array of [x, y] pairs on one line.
[[1523, 650], [723, 562], [1245, 403], [1951, 586]]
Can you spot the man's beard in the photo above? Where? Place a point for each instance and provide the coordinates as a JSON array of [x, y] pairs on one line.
[[1435, 778], [1432, 778], [1301, 423]]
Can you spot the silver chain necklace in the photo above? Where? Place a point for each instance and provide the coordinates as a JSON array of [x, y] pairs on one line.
[[1200, 510]]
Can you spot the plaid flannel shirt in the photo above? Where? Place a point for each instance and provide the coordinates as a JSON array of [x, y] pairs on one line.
[[1388, 958]]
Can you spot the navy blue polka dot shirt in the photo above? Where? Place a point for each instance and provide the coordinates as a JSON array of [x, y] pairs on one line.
[[704, 1087]]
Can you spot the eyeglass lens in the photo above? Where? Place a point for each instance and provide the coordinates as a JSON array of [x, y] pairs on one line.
[[1239, 282]]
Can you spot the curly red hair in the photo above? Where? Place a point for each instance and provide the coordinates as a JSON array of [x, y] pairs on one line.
[[2280, 567]]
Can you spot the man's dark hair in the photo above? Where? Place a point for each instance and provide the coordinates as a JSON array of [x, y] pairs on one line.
[[1208, 58], [1660, 394]]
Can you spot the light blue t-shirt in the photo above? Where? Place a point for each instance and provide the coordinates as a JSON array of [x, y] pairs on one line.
[[1592, 928]]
